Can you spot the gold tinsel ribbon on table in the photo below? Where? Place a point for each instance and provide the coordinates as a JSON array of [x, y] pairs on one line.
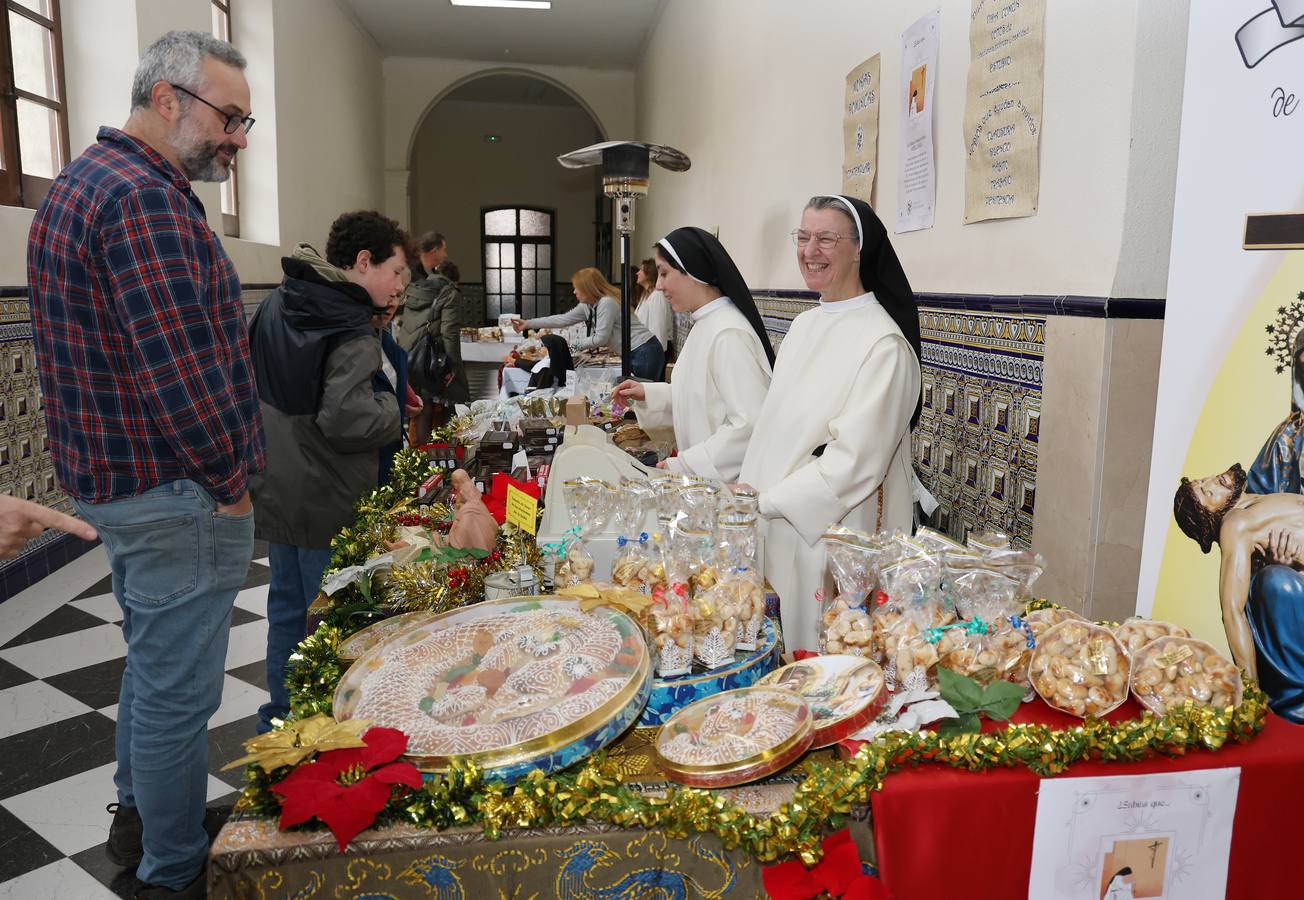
[[594, 790]]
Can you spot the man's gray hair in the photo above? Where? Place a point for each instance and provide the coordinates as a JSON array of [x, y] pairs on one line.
[[176, 58]]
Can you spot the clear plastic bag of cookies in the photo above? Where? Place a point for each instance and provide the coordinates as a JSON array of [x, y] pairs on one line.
[[1080, 668], [988, 541], [739, 575], [1170, 670], [980, 591], [716, 608], [633, 567], [575, 563], [1136, 632], [670, 618], [916, 596], [845, 617], [994, 651]]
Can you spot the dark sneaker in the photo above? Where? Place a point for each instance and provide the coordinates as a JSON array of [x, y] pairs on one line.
[[197, 888], [124, 847]]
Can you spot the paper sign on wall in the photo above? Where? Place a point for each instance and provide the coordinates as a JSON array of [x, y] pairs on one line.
[[522, 509], [1134, 836], [916, 161], [1002, 109], [860, 131]]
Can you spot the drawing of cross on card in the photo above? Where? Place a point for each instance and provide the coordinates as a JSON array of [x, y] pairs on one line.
[[1274, 231], [1138, 862]]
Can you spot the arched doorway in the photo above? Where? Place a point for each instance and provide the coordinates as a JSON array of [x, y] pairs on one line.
[[491, 144]]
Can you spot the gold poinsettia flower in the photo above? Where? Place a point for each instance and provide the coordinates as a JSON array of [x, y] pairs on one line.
[[296, 741]]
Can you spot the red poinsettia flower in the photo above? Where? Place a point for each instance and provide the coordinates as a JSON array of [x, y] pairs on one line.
[[837, 874], [347, 788]]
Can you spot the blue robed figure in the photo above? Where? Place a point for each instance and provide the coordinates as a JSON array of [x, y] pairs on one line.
[[1276, 603]]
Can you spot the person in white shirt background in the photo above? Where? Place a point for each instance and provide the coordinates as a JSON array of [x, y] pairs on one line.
[[723, 371], [653, 309], [593, 291], [832, 443]]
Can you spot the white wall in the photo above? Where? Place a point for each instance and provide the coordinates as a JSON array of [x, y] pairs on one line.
[[316, 151], [752, 91], [456, 173], [329, 114], [412, 86]]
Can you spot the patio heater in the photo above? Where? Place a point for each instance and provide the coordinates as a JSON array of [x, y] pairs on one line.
[[625, 167]]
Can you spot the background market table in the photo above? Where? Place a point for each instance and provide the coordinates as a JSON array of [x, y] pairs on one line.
[[944, 833]]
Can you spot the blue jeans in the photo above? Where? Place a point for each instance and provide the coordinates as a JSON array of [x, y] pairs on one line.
[[177, 564], [648, 360], [296, 579]]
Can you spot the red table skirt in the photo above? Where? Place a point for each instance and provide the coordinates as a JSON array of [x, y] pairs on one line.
[[946, 833]]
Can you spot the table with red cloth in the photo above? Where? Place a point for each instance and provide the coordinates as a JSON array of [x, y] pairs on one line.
[[943, 833]]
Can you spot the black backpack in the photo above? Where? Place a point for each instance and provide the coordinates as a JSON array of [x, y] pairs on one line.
[[430, 369]]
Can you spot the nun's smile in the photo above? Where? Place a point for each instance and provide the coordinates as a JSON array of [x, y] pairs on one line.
[[833, 272]]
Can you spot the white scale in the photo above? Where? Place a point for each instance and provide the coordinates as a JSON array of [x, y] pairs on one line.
[[588, 450]]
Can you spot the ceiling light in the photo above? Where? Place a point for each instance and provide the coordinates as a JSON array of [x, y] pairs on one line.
[[506, 4]]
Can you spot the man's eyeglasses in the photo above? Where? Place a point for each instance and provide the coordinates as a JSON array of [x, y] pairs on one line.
[[233, 120], [825, 240]]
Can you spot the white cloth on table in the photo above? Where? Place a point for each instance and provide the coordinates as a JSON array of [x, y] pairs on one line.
[[845, 379], [715, 396]]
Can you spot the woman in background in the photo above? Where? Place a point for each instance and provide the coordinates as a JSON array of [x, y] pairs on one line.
[[596, 293], [653, 309]]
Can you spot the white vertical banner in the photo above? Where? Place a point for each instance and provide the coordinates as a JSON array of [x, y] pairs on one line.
[[916, 162], [1225, 516]]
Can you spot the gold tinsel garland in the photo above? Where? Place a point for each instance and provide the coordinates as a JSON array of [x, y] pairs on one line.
[[594, 791]]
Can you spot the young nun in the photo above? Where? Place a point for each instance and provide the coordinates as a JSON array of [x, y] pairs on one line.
[[723, 370], [832, 444]]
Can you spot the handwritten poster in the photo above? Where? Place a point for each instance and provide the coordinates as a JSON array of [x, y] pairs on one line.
[[1002, 110], [1133, 836], [917, 167], [860, 131]]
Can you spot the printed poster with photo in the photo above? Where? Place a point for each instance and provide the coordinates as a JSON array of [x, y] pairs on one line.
[[1127, 837], [916, 160], [1224, 542]]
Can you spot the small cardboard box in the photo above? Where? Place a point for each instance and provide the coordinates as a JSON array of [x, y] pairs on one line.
[[577, 410]]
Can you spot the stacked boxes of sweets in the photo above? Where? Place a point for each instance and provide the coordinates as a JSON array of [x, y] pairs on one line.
[[540, 436], [445, 456], [499, 444], [470, 335]]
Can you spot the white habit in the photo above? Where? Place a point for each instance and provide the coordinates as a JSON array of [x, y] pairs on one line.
[[716, 394], [847, 379]]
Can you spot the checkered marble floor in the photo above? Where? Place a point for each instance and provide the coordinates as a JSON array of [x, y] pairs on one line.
[[61, 662]]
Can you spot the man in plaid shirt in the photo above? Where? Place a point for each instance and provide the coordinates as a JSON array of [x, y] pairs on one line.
[[154, 424]]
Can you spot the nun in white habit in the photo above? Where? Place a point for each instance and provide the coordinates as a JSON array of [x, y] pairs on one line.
[[832, 444], [723, 370]]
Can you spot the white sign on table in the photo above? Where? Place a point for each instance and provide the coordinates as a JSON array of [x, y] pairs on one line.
[[1165, 836]]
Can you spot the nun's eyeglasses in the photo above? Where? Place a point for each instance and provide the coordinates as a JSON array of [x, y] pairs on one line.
[[825, 240]]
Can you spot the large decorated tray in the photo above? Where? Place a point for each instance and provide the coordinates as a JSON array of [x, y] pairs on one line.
[[669, 695], [845, 693], [511, 685], [735, 737], [377, 633]]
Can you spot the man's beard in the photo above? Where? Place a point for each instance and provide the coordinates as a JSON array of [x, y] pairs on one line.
[[198, 156]]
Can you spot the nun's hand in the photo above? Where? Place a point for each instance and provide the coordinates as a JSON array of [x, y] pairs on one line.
[[628, 391]]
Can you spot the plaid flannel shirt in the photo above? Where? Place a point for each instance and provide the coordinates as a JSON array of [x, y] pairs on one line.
[[140, 331]]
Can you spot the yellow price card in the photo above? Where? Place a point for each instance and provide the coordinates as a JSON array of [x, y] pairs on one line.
[[522, 509]]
